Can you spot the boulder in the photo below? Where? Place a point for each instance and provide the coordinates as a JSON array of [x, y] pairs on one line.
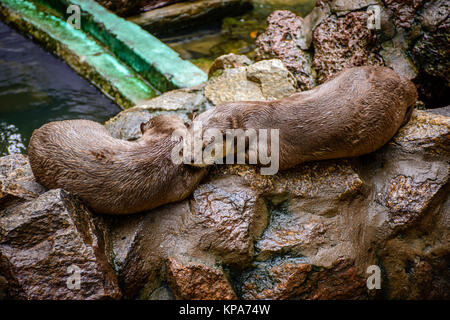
[[51, 248], [261, 81], [309, 232], [228, 61], [198, 281], [183, 102], [17, 182], [343, 42]]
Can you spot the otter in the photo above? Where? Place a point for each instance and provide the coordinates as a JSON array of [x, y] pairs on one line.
[[112, 176], [356, 112]]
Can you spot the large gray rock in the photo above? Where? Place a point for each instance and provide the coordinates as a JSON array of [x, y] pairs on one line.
[[183, 102], [261, 81], [46, 244], [16, 180]]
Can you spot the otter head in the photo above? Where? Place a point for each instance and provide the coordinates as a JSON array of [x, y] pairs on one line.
[[162, 124]]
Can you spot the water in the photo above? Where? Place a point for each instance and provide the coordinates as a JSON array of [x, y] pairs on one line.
[[234, 35], [36, 88]]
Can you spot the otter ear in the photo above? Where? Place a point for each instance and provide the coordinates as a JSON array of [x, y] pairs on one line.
[[142, 127]]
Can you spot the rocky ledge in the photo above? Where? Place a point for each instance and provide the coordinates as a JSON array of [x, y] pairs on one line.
[[307, 233]]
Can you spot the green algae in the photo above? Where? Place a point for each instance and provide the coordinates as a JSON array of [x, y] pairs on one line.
[[152, 59]]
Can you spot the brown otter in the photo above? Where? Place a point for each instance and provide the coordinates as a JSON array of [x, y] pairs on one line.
[[355, 113], [110, 175]]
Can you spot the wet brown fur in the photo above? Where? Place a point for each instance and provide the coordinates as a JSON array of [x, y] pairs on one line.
[[110, 175], [355, 113]]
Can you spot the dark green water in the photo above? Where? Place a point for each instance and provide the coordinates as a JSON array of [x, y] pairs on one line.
[[36, 88]]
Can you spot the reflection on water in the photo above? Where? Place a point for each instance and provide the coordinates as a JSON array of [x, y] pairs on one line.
[[36, 88]]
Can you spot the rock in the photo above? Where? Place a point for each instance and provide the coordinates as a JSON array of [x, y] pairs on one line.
[[198, 281], [162, 293], [49, 242], [417, 265], [343, 42], [219, 223], [292, 278], [16, 180], [187, 14], [309, 232], [432, 51], [280, 41], [404, 11], [228, 61], [231, 86], [395, 57], [264, 80], [234, 79], [182, 102], [445, 111]]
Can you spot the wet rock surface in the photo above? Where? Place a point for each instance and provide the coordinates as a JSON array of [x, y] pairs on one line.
[[309, 232], [47, 243], [17, 180], [281, 41], [182, 102], [261, 81], [197, 282]]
